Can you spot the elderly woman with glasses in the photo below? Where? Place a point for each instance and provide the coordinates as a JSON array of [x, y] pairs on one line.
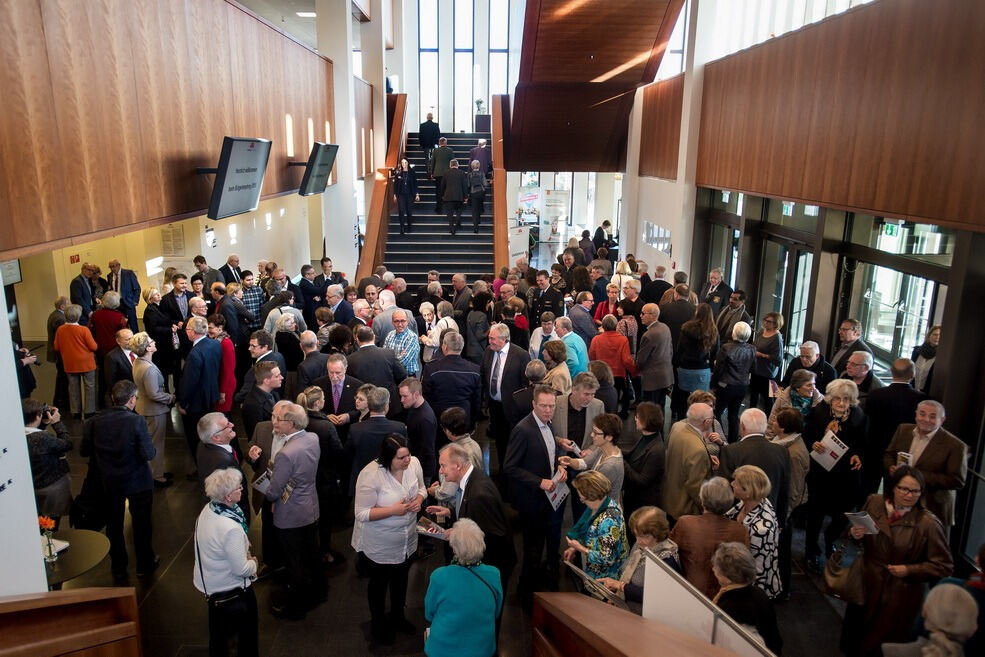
[[600, 534], [908, 553], [802, 395]]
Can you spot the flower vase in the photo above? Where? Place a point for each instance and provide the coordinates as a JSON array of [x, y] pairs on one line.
[[50, 555]]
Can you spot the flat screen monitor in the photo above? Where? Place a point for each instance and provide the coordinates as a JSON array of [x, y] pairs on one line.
[[318, 169], [239, 177], [10, 272]]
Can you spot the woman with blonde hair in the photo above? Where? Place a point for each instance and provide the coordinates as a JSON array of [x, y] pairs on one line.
[[330, 500], [619, 277], [755, 512], [950, 618]]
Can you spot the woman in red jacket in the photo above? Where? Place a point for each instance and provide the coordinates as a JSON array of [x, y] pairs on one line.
[[612, 348], [227, 370], [607, 307]]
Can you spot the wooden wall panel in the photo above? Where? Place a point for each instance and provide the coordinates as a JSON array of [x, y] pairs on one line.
[[661, 134], [363, 104], [111, 104], [877, 110]]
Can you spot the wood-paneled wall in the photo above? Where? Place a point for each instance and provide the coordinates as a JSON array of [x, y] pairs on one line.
[[363, 105], [661, 135], [878, 110], [111, 104]]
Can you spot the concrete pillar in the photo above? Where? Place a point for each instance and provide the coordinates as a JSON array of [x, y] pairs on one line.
[[338, 207], [372, 45]]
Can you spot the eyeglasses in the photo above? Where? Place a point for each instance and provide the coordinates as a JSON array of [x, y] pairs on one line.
[[596, 432], [908, 491], [224, 429]]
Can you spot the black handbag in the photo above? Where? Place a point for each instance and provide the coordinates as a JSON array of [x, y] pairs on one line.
[[89, 507]]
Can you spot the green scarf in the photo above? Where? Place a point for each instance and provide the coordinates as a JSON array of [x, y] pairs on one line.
[[231, 512], [579, 531], [802, 404]]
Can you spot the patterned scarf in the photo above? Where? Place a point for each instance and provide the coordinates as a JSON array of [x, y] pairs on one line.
[[231, 512], [580, 529], [802, 404]]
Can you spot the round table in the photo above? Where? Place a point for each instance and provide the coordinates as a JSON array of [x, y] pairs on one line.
[[85, 551]]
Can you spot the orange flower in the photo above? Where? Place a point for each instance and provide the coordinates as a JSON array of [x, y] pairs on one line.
[[46, 523]]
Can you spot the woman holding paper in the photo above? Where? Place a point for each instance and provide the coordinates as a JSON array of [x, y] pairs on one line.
[[907, 554], [835, 433], [600, 533]]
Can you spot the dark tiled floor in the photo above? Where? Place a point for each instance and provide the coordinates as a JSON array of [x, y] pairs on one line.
[[174, 619]]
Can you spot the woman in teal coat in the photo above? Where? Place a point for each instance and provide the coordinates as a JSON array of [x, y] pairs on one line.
[[464, 599]]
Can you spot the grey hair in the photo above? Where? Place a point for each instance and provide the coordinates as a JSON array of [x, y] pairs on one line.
[[138, 343], [387, 297], [445, 309], [741, 332], [208, 426], [564, 323], [73, 313], [377, 400], [754, 420], [735, 562], [434, 287], [936, 405], [951, 616], [586, 381], [296, 415], [456, 453], [843, 388], [716, 495], [427, 306], [801, 377], [335, 290], [609, 323], [359, 304], [467, 541], [454, 341], [338, 358], [111, 300], [633, 283], [535, 371], [865, 355], [388, 278], [502, 330], [812, 346], [198, 325], [222, 483], [283, 321]]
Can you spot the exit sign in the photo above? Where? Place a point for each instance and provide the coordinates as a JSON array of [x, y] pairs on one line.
[[890, 229]]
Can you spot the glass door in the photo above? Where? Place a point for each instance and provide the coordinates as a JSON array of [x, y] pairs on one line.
[[773, 280], [724, 251], [797, 314]]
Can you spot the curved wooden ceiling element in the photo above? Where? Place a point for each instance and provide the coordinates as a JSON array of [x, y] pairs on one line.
[[580, 65]]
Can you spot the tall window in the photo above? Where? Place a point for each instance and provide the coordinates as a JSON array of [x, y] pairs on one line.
[[499, 47], [428, 65], [464, 76], [673, 59]]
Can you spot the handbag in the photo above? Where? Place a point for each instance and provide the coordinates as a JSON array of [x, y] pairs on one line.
[[843, 573]]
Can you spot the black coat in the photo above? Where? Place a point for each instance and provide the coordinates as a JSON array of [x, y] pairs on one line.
[[379, 366], [249, 378], [118, 440], [674, 314], [750, 606], [365, 439], [210, 458], [429, 134], [405, 184], [311, 368], [453, 381], [642, 476], [347, 401], [257, 407], [653, 290], [824, 373], [332, 453], [481, 502], [841, 487], [513, 377], [886, 408], [454, 185], [525, 465], [549, 300], [116, 367], [773, 459]]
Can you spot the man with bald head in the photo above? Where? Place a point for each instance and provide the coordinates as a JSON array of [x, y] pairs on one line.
[[118, 363], [687, 463], [125, 282], [754, 449], [404, 342], [383, 321]]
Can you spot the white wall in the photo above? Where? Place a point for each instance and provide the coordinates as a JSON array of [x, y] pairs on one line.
[[278, 230]]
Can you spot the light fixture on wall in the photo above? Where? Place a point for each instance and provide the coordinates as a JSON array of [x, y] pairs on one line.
[[306, 14], [210, 239], [232, 234]]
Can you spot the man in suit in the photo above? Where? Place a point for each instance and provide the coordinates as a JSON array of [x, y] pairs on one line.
[[279, 276], [452, 192], [452, 381], [311, 294], [655, 289], [581, 317], [599, 284], [478, 500], [261, 347], [362, 315], [811, 359], [887, 408], [259, 403], [732, 314], [461, 298], [678, 311], [530, 467], [80, 292], [175, 304], [125, 282], [215, 433], [199, 389], [405, 298], [438, 165], [340, 394], [376, 365], [715, 292], [313, 365], [335, 301], [858, 368], [687, 463], [120, 446], [296, 512], [502, 374], [428, 136], [576, 410], [118, 363], [545, 299], [376, 280], [328, 277], [238, 318], [937, 453], [654, 357], [575, 349], [231, 273], [260, 456], [603, 238], [850, 336], [366, 437], [754, 449]]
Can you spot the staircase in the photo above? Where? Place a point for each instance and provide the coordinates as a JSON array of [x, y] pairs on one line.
[[431, 245]]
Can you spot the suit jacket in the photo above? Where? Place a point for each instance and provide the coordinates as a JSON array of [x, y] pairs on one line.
[[335, 279], [774, 460], [674, 314], [523, 404], [484, 156], [238, 318], [454, 185], [642, 475], [312, 367], [943, 463], [841, 356], [526, 464], [257, 407], [227, 273], [460, 302], [559, 423], [440, 158], [170, 308], [728, 318], [482, 503], [652, 291], [718, 299], [116, 367], [513, 377], [296, 464], [263, 437], [55, 319], [888, 408], [583, 323], [152, 399], [347, 401], [686, 467], [378, 366], [118, 440], [429, 134], [250, 377], [80, 292], [550, 300], [129, 294], [199, 390], [308, 304], [365, 439], [210, 458], [453, 381], [343, 313], [654, 357]]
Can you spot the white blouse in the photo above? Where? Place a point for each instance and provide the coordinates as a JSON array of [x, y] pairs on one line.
[[387, 540]]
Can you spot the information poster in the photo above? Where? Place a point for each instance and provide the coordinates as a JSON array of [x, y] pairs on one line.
[[531, 205], [556, 212], [519, 242]]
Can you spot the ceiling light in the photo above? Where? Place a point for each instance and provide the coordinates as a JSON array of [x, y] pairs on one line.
[[306, 14]]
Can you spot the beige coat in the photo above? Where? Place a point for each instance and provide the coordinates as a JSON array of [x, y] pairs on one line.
[[686, 466], [944, 465], [800, 465]]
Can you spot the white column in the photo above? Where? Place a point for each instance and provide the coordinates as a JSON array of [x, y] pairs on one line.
[[22, 566], [338, 208], [396, 55], [372, 44]]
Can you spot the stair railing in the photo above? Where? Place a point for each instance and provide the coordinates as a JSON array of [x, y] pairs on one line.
[[381, 203], [500, 144]]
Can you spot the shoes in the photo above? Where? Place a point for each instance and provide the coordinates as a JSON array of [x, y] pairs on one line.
[[163, 484], [382, 632], [476, 231], [286, 612], [143, 571], [404, 626]]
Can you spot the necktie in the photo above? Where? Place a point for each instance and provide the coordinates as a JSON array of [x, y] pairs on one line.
[[133, 359], [116, 283], [458, 502], [236, 275], [336, 395], [494, 381]]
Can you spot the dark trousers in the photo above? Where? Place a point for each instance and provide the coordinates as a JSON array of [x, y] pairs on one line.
[[383, 576], [189, 423], [269, 541], [453, 210], [540, 530], [785, 555], [729, 399], [817, 508], [405, 208], [140, 517], [759, 390], [305, 574], [477, 201], [678, 403], [437, 194], [60, 399], [658, 397], [625, 392], [236, 617], [499, 429]]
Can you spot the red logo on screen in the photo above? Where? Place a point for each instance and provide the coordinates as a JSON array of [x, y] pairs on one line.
[[74, 259]]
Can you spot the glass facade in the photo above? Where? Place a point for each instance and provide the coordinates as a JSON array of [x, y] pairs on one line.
[[925, 242]]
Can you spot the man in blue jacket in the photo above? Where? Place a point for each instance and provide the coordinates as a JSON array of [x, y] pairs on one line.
[[199, 390], [125, 282]]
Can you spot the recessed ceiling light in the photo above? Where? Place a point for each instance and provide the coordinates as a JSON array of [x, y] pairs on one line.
[[306, 14]]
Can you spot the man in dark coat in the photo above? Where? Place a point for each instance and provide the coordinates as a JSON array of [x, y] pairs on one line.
[[215, 432], [811, 359], [754, 449], [438, 165], [452, 381], [259, 403], [261, 347], [313, 365], [654, 290], [340, 394], [678, 311], [887, 408], [545, 299], [715, 292], [125, 282], [80, 292], [376, 365], [428, 136], [850, 336], [366, 437], [199, 389], [119, 443], [118, 363], [503, 368], [328, 276], [231, 273], [483, 155], [453, 191]]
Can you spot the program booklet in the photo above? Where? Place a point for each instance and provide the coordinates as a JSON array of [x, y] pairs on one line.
[[560, 492], [834, 449], [262, 483], [862, 519]]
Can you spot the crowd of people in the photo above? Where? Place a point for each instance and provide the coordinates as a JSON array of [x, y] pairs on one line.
[[302, 383]]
